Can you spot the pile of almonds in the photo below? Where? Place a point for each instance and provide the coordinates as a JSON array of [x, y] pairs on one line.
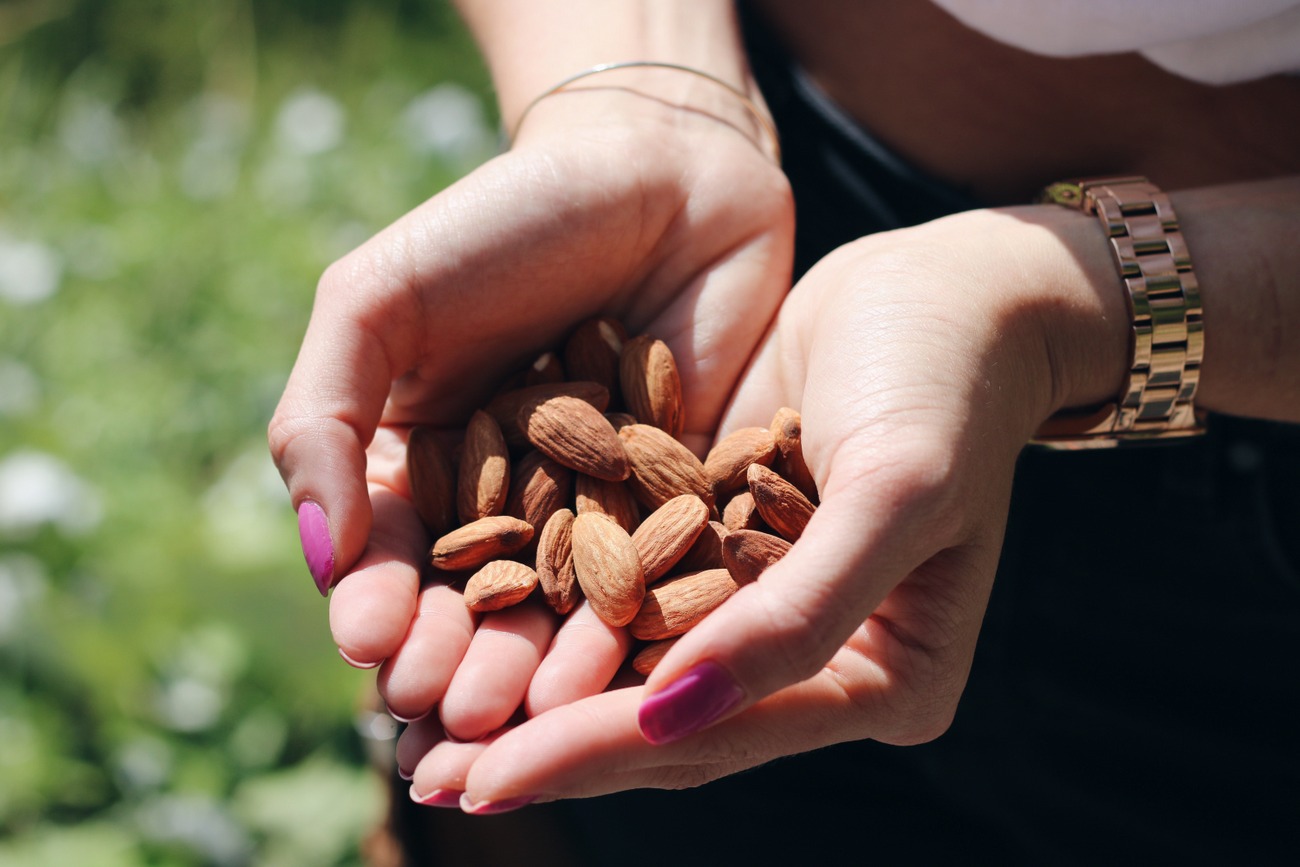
[[572, 479]]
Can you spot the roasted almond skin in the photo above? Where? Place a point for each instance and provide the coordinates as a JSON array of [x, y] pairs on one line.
[[575, 434], [505, 406], [747, 553], [612, 499], [484, 476], [729, 460], [546, 369], [538, 487], [499, 584], [432, 479], [668, 533], [706, 553], [787, 436], [741, 513], [652, 389], [648, 657], [608, 568], [672, 607], [593, 352], [662, 468], [783, 507], [476, 543], [555, 562]]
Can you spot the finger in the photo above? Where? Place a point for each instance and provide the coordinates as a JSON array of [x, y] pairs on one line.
[[595, 747], [439, 778], [373, 605], [490, 683], [873, 530], [415, 677], [582, 660], [328, 415], [416, 740]]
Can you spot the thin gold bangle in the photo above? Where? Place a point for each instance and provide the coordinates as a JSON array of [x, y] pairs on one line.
[[752, 107]]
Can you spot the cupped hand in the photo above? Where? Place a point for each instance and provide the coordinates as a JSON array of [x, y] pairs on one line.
[[922, 362], [611, 203]]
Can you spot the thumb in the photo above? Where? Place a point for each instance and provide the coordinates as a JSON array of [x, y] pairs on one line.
[[864, 539], [318, 436]]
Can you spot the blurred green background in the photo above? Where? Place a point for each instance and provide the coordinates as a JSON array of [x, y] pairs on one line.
[[174, 177]]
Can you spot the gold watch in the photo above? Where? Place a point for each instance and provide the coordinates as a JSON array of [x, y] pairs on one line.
[[1167, 341]]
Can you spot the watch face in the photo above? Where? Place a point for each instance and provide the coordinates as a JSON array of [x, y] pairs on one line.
[[1068, 193]]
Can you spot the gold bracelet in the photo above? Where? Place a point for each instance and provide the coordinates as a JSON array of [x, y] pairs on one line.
[[1167, 341], [752, 107]]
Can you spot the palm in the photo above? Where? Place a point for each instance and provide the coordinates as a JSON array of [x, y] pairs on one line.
[[500, 267]]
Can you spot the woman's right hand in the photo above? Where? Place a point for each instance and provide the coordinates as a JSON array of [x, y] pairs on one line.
[[611, 202]]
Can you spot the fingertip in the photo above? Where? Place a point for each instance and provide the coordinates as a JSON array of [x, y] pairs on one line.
[[317, 544], [706, 693]]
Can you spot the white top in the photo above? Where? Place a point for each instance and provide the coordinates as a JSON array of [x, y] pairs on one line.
[[1213, 41]]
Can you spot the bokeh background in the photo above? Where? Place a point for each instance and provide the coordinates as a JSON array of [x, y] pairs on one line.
[[174, 177]]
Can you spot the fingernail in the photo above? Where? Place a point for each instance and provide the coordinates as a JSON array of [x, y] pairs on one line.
[[357, 663], [314, 531], [409, 719], [694, 701], [437, 798], [491, 808], [406, 775]]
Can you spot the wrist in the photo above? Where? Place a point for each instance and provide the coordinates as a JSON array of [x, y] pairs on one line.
[[638, 91]]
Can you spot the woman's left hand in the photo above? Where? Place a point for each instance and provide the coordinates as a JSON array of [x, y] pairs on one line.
[[922, 361]]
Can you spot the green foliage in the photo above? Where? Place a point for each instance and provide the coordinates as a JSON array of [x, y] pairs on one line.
[[174, 177]]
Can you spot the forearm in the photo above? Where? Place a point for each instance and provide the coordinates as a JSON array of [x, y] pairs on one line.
[[530, 45], [1244, 241]]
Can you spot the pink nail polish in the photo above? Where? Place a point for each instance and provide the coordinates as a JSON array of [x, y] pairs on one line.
[[437, 798], [314, 531], [364, 666], [694, 701], [491, 808]]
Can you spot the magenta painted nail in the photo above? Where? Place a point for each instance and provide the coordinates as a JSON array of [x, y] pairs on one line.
[[437, 798], [314, 531], [695, 700], [491, 808]]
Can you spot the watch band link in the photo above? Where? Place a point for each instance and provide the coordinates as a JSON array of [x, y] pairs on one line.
[[1167, 341]]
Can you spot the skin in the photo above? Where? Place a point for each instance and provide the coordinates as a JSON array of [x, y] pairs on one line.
[[922, 361]]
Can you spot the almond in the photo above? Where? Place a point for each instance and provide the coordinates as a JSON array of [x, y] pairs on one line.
[[662, 468], [432, 479], [652, 389], [648, 657], [538, 487], [505, 406], [668, 533], [620, 420], [593, 352], [546, 369], [787, 435], [730, 458], [781, 504], [612, 499], [741, 513], [555, 562], [499, 584], [747, 553], [474, 544], [608, 568], [706, 553], [573, 433], [484, 476], [673, 606]]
